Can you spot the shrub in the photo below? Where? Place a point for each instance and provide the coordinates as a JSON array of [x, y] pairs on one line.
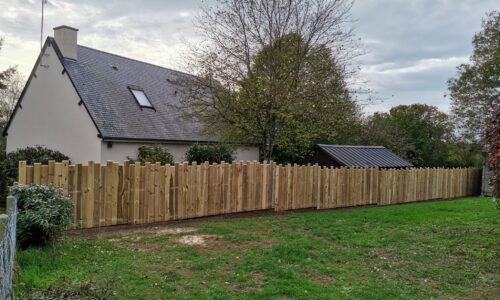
[[9, 163], [213, 153], [154, 154], [44, 212]]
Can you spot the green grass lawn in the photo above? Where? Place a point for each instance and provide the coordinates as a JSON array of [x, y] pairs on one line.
[[448, 249]]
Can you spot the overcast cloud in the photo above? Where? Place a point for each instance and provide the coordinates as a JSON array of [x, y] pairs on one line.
[[413, 46]]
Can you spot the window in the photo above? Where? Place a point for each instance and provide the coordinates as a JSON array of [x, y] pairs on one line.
[[141, 98]]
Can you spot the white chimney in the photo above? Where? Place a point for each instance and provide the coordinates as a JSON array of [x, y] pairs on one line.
[[66, 39]]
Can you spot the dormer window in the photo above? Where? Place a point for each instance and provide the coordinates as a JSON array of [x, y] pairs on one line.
[[141, 97]]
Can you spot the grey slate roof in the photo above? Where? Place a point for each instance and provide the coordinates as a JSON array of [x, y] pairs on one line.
[[102, 80], [364, 156]]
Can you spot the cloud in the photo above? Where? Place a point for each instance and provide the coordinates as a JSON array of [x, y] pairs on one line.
[[413, 46], [421, 65]]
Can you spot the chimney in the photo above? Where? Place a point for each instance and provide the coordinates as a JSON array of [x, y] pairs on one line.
[[66, 38]]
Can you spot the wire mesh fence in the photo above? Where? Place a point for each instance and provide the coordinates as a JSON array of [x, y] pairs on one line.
[[7, 247]]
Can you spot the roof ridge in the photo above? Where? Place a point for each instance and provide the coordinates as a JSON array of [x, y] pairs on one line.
[[350, 146]]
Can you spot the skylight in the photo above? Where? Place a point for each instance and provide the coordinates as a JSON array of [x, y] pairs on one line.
[[141, 98]]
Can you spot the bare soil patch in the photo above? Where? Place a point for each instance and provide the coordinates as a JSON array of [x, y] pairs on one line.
[[127, 230], [196, 239]]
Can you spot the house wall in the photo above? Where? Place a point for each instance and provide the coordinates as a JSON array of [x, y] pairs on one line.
[[121, 150], [50, 115]]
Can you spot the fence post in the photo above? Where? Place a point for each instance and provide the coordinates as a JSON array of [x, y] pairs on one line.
[[7, 247], [3, 226], [10, 204]]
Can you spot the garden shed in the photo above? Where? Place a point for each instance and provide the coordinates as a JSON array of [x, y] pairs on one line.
[[355, 156]]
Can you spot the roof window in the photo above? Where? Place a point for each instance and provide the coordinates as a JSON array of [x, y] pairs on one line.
[[141, 97]]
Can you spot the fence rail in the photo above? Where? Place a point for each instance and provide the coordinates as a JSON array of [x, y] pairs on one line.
[[127, 193]]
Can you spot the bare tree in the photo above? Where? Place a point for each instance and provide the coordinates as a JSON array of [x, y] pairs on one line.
[[10, 94], [277, 71]]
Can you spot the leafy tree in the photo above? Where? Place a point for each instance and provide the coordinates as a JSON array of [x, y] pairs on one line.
[[277, 71], [492, 145], [464, 154], [477, 83], [416, 132]]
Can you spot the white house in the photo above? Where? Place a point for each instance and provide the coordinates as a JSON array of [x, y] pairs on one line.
[[93, 105]]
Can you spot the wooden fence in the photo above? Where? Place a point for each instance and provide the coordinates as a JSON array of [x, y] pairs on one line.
[[113, 194]]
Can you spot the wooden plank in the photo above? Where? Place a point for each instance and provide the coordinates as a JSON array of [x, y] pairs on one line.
[[225, 188], [45, 175], [108, 200], [72, 192], [184, 201], [148, 203], [96, 185], [22, 172], [199, 190], [52, 169], [114, 189], [64, 176], [136, 193], [162, 192], [156, 197], [144, 195], [204, 189], [277, 187], [37, 173], [168, 188], [177, 191], [90, 195], [77, 179], [239, 187], [125, 193], [85, 197], [102, 195], [190, 190], [119, 197]]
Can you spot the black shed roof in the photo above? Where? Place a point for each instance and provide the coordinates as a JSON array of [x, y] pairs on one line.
[[364, 156]]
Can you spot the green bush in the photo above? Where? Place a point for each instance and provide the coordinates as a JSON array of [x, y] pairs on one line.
[[43, 213], [9, 163], [213, 153], [154, 154]]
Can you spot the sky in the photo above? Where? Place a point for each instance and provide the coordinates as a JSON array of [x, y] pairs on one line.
[[412, 46]]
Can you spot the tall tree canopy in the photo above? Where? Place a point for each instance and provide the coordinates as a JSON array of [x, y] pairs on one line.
[[477, 84], [278, 73], [416, 132]]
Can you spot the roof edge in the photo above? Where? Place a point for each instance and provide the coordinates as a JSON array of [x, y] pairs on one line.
[[141, 140], [166, 141], [61, 59], [349, 146]]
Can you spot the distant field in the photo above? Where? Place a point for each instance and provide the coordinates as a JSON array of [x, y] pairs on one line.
[[447, 249]]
